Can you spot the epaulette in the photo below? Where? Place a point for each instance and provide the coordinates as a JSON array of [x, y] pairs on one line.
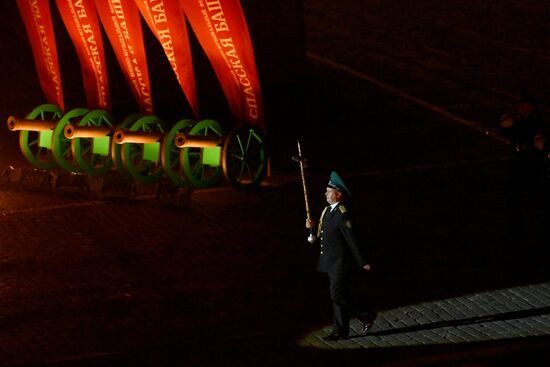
[[342, 208]]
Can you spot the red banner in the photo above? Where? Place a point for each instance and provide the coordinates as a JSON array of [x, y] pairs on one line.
[[82, 23], [38, 23], [122, 23], [167, 21], [222, 31]]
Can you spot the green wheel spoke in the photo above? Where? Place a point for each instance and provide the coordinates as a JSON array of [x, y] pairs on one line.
[[236, 156], [241, 171], [240, 144], [138, 159], [67, 151], [61, 146], [135, 154], [89, 161], [198, 169], [200, 165], [244, 170], [248, 141], [171, 155], [30, 141]]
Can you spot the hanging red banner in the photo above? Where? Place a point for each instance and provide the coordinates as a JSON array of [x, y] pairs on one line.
[[80, 19], [122, 24], [167, 22], [222, 31], [38, 23]]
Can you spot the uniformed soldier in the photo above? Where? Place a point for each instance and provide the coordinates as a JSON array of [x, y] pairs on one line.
[[526, 132], [340, 252]]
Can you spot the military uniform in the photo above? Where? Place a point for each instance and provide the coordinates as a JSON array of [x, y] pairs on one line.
[[340, 252], [525, 165], [340, 247]]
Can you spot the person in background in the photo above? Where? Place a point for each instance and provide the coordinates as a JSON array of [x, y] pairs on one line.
[[525, 129], [542, 205]]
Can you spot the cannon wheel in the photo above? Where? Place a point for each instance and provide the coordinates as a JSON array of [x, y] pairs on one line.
[[40, 157], [116, 149], [170, 154], [244, 157], [133, 154], [91, 163], [61, 146], [192, 159]]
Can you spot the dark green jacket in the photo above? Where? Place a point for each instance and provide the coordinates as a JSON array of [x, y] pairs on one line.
[[340, 249]]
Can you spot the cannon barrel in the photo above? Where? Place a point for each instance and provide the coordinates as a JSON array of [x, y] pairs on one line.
[[74, 131], [185, 140], [140, 137], [16, 123]]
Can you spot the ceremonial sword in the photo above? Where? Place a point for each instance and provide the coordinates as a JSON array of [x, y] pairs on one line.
[[300, 159]]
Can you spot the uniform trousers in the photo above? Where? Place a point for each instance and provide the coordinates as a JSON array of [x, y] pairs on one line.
[[341, 304]]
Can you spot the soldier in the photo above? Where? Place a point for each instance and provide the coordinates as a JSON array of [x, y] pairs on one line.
[[526, 132], [340, 252], [543, 203]]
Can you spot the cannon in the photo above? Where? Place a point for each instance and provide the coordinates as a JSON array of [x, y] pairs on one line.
[[195, 154], [35, 134], [242, 153], [190, 154]]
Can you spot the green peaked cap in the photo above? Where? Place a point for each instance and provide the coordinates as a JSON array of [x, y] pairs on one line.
[[337, 183]]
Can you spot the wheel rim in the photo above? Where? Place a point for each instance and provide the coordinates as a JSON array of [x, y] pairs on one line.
[[36, 145], [93, 154], [135, 155], [61, 146], [170, 154], [244, 158], [202, 165], [116, 149]]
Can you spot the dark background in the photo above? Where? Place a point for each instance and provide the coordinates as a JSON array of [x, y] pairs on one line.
[[396, 96]]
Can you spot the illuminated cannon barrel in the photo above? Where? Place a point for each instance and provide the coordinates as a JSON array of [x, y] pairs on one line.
[[185, 140], [75, 131], [18, 124], [136, 137], [35, 134], [140, 148], [91, 142]]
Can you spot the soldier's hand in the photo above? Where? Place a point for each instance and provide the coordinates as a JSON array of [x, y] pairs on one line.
[[310, 223], [367, 267], [506, 121], [538, 141]]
